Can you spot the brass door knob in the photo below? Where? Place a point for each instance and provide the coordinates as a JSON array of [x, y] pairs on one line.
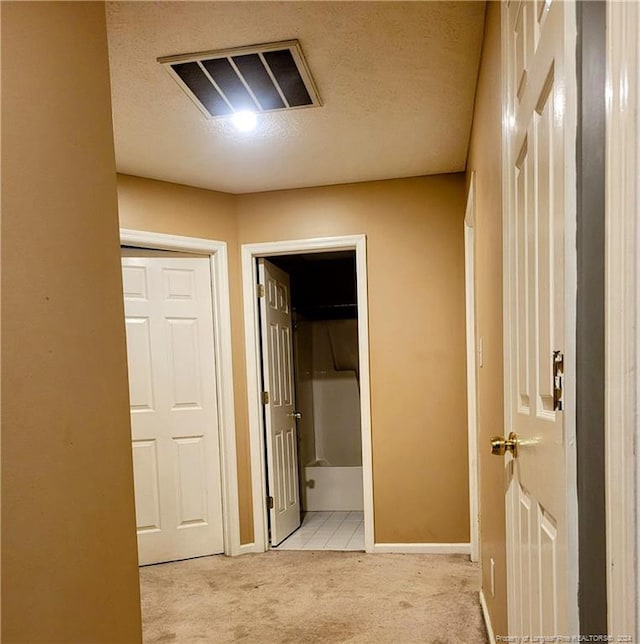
[[500, 445]]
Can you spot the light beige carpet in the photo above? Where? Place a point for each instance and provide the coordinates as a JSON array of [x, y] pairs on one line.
[[301, 596]]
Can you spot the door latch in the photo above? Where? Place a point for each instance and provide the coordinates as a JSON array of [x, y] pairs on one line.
[[269, 503], [558, 377], [501, 445]]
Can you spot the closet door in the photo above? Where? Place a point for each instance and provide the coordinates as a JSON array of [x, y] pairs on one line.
[[174, 417]]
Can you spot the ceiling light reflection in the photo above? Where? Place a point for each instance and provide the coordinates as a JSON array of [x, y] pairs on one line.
[[245, 121]]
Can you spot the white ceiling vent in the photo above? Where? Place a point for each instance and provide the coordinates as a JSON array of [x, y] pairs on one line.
[[260, 78]]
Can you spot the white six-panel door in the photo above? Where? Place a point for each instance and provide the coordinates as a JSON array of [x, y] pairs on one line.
[[280, 423], [176, 460], [537, 163]]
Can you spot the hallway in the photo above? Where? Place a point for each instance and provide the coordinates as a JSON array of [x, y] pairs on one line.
[[296, 597], [481, 159]]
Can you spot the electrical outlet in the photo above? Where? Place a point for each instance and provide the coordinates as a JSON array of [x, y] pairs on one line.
[[492, 572]]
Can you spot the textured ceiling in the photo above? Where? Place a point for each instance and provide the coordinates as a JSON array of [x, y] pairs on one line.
[[397, 82]]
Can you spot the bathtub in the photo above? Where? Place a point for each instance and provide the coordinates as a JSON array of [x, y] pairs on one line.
[[329, 488]]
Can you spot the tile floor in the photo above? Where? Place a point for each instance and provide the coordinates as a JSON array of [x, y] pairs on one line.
[[328, 531]]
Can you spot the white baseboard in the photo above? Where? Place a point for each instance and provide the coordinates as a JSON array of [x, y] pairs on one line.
[[424, 548], [487, 619], [248, 548], [397, 548]]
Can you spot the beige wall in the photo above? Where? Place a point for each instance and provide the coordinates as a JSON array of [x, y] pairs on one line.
[[415, 259], [485, 160], [69, 557], [416, 272]]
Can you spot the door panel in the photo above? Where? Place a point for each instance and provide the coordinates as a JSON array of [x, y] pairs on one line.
[[174, 420], [192, 490], [145, 479], [139, 357], [280, 424], [537, 162], [183, 355]]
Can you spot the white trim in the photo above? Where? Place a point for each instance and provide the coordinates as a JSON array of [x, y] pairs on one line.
[[423, 548], [622, 213], [472, 416], [487, 619], [256, 438], [249, 548], [470, 209], [570, 80], [217, 252], [249, 279]]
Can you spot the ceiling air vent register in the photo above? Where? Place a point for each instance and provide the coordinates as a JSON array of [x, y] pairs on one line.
[[259, 78]]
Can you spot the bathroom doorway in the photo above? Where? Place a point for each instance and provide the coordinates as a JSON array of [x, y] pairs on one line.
[[311, 448], [324, 320]]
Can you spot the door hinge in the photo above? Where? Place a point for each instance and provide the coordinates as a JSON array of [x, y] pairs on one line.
[[269, 503], [558, 377], [265, 397], [260, 290]]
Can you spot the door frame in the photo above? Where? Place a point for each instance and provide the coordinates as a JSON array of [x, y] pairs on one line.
[[622, 314], [249, 254], [472, 382], [217, 253]]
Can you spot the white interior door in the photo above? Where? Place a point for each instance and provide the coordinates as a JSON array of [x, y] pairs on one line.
[[280, 422], [538, 162], [172, 388]]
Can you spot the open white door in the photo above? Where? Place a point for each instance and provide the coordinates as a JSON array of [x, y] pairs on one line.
[[539, 158], [280, 421], [176, 460]]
